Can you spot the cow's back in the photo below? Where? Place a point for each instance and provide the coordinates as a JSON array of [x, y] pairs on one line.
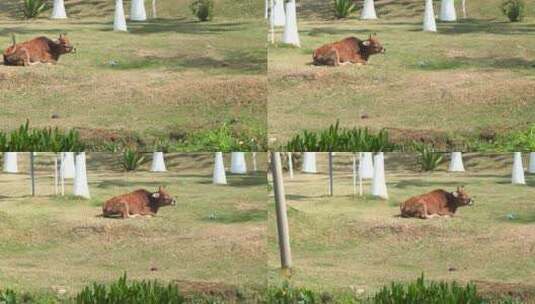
[[137, 201], [346, 48], [434, 201]]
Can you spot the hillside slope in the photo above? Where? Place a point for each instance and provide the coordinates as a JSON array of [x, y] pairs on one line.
[[242, 9]]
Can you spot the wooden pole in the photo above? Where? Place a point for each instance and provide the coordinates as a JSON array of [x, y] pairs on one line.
[[61, 174], [56, 180], [290, 165], [354, 175], [282, 216], [331, 178]]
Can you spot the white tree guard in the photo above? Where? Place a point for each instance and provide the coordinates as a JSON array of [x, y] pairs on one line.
[[309, 162], [158, 162], [368, 10], [237, 163], [456, 163], [11, 162], [430, 24], [68, 164], [119, 20], [278, 17], [81, 187], [365, 165], [137, 10], [531, 168], [379, 180], [58, 10], [291, 34], [447, 10], [219, 176], [518, 170]]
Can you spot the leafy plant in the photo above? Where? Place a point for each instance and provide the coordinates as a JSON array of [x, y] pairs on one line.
[[341, 140], [203, 9], [132, 159], [431, 292], [32, 8], [428, 159], [8, 297], [135, 292], [513, 9], [343, 8], [287, 294]]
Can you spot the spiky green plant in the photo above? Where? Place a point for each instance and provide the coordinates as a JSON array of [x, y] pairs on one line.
[[428, 158], [343, 8], [132, 159], [513, 9], [32, 8], [203, 9]]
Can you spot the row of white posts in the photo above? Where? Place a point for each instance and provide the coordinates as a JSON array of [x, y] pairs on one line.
[[372, 167], [73, 166], [283, 13]]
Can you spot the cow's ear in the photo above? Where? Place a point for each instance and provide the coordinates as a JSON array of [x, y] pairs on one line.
[[366, 43], [156, 195]]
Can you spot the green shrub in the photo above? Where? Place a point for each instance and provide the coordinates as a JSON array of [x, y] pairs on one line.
[[343, 8], [428, 292], [287, 294], [341, 140], [428, 158], [40, 140], [513, 9], [143, 292], [132, 159], [203, 9], [32, 8], [8, 297]]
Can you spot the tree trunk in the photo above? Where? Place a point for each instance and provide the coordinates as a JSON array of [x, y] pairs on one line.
[[154, 15], [465, 15]]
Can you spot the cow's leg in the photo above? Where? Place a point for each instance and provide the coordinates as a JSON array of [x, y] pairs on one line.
[[123, 210], [331, 58]]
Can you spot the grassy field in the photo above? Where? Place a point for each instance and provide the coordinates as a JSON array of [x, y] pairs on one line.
[[471, 77], [213, 240], [166, 78], [359, 244]]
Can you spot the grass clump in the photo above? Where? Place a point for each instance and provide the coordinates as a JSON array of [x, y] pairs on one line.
[[513, 9], [428, 158], [343, 8], [32, 8], [132, 159], [203, 9], [341, 140]]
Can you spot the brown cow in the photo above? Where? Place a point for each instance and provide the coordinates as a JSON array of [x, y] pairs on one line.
[[139, 202], [38, 50], [348, 51], [435, 203]]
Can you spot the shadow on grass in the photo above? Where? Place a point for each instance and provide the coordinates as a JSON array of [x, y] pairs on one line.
[[115, 183], [237, 216], [423, 183], [518, 218], [183, 26], [468, 26], [514, 63]]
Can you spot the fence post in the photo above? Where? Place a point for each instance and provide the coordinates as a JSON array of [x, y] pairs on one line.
[[282, 216]]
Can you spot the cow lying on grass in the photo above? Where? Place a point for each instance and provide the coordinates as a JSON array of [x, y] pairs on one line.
[[348, 51], [435, 203], [38, 50], [139, 202]]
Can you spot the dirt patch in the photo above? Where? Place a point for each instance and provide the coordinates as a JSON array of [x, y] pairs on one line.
[[213, 289], [526, 293], [97, 135]]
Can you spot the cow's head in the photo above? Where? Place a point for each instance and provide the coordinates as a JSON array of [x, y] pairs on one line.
[[373, 45], [65, 45], [462, 198], [162, 198]]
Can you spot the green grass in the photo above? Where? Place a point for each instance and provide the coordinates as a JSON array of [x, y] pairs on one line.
[[57, 245], [430, 85], [349, 244], [167, 76]]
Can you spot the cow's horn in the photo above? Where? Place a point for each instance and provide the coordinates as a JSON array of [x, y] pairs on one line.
[[13, 39]]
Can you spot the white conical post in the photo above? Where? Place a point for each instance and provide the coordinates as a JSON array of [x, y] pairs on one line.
[[158, 162], [379, 180], [81, 188], [278, 17], [219, 176], [291, 35], [518, 169], [58, 10], [366, 165], [119, 21], [237, 163], [309, 162], [368, 10], [68, 164], [531, 168], [429, 17], [456, 163], [11, 162], [137, 10], [447, 10]]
